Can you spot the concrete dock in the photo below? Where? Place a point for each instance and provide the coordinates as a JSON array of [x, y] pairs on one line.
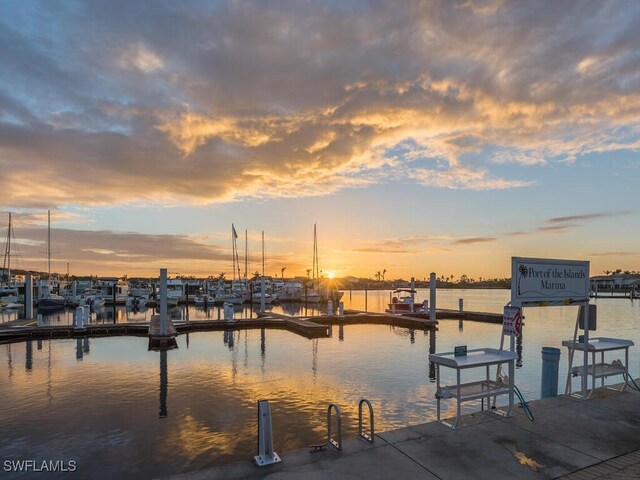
[[570, 438]]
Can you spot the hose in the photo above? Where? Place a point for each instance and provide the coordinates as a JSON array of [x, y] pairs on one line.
[[635, 385], [523, 404]]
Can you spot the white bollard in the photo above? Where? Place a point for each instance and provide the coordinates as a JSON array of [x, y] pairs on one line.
[[341, 309], [329, 307], [78, 318]]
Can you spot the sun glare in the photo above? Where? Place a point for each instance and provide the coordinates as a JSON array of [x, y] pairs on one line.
[[330, 275]]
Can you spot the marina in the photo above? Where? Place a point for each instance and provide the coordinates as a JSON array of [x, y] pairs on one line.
[[122, 383]]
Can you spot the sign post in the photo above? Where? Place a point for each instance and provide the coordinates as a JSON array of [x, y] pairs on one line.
[[546, 282]]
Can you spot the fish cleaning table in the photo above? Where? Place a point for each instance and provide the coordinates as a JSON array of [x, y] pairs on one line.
[[486, 388], [602, 369]]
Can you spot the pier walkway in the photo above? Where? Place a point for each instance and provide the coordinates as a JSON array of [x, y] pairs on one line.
[[570, 439]]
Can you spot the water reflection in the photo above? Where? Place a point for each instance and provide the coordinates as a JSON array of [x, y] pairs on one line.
[[29, 354], [164, 384]]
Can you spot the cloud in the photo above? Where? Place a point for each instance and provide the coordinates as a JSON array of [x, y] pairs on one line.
[[472, 240], [105, 104], [382, 250], [613, 254], [557, 228], [589, 216]]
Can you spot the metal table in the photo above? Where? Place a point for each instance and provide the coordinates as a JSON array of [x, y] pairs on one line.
[[486, 388], [602, 369]]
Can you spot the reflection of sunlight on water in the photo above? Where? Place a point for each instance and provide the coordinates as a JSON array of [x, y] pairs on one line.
[[111, 393]]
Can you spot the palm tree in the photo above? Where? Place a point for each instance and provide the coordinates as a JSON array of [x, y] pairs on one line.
[[383, 272], [308, 273], [282, 272], [377, 275], [221, 276]]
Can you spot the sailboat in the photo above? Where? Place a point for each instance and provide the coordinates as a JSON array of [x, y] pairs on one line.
[[8, 290], [48, 300], [229, 296]]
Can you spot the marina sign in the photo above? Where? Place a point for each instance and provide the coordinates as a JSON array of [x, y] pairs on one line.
[[548, 281]]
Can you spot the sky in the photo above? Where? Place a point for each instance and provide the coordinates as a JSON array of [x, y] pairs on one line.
[[434, 136]]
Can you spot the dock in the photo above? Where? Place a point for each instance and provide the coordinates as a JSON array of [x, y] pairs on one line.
[[307, 326], [570, 438]]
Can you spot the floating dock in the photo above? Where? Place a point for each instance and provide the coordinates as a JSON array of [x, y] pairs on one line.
[[570, 438], [306, 326]]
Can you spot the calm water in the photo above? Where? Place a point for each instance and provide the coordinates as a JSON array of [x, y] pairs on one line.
[[121, 411]]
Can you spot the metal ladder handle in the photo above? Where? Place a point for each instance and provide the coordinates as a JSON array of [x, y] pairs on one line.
[[368, 438], [330, 440]]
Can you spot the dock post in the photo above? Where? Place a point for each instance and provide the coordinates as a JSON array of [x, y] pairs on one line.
[[461, 310], [329, 307], [266, 455], [228, 312], [78, 318], [432, 297], [163, 302], [366, 286], [86, 310], [413, 295], [550, 365], [425, 306], [341, 309], [28, 298], [461, 304]]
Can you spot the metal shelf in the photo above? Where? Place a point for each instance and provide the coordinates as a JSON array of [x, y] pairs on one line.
[[479, 389], [599, 370]]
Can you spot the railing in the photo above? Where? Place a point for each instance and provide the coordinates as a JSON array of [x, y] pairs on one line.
[[330, 440], [369, 438]]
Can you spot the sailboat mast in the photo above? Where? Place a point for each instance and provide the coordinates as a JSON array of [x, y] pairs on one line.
[[7, 252], [48, 244], [233, 251], [246, 254], [263, 253]]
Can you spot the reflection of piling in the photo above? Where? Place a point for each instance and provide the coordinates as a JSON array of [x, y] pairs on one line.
[[28, 298], [432, 349], [164, 384], [79, 352], [85, 345], [39, 343], [341, 332], [262, 343], [29, 354]]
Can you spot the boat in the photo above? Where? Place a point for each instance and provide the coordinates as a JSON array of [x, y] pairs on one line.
[[403, 303], [92, 297], [51, 302], [204, 300], [113, 289], [9, 305], [290, 292]]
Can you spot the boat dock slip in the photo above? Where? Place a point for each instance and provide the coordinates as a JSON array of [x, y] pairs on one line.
[[581, 439]]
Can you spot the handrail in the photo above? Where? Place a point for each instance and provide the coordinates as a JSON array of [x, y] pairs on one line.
[[369, 438], [330, 440]]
